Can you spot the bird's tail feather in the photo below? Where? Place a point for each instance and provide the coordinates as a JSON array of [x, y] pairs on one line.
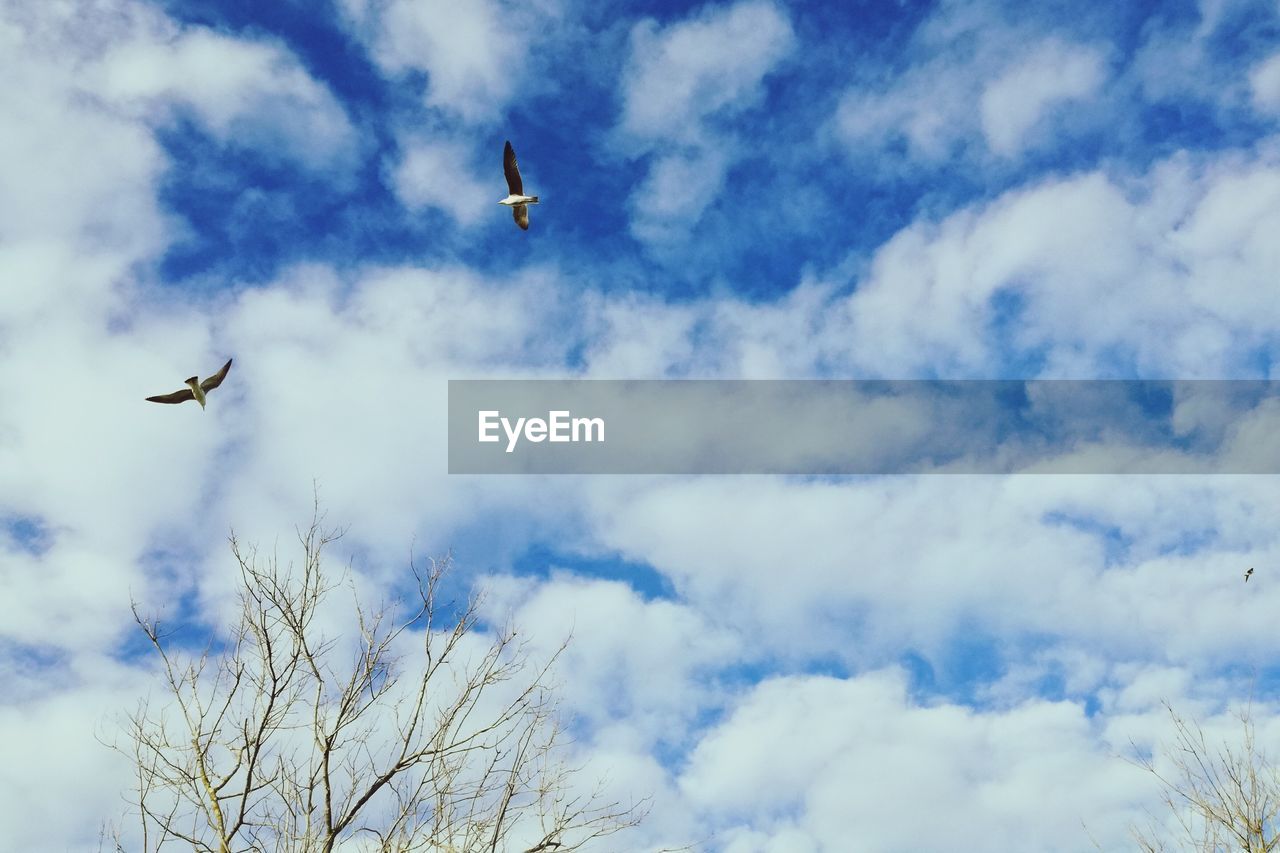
[[532, 200]]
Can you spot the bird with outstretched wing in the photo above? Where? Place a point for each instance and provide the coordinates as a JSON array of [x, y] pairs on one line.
[[195, 389], [516, 199]]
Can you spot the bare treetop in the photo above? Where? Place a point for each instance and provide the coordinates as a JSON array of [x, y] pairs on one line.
[[285, 739], [1221, 797]]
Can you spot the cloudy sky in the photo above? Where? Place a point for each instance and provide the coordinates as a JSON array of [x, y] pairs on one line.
[[752, 189]]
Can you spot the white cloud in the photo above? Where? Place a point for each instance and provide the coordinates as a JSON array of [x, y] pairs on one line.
[[1264, 81], [117, 483], [436, 174], [1169, 271], [647, 692], [926, 110], [52, 740], [1012, 104], [675, 192], [872, 568], [71, 171], [680, 76], [1184, 61], [252, 94], [806, 760], [385, 343], [632, 336], [1015, 76], [79, 214], [476, 55], [681, 87]]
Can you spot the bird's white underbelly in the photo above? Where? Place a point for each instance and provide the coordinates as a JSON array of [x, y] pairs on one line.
[[518, 199]]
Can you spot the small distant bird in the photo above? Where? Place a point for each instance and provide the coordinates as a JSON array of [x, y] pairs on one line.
[[1247, 574], [516, 200], [195, 389]]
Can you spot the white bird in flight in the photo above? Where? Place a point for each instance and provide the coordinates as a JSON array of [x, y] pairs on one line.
[[516, 199], [195, 389]]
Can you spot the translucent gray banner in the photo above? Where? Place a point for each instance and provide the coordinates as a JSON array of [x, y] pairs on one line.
[[864, 427]]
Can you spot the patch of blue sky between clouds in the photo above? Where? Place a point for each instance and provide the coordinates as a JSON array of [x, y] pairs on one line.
[[169, 596], [543, 560], [247, 217], [27, 533], [32, 670], [970, 659], [1116, 542]]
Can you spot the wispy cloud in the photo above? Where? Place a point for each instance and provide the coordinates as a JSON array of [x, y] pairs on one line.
[[1202, 58], [436, 173], [1016, 77], [1053, 73], [1264, 80], [681, 84]]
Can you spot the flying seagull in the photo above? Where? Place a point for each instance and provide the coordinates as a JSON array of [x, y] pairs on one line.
[[195, 389], [1246, 574], [517, 200]]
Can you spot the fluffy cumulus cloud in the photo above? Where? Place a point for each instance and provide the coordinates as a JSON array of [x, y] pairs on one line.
[[681, 84], [1165, 272], [809, 763], [246, 93], [103, 174], [1023, 558], [79, 215], [664, 685], [776, 662], [475, 55]]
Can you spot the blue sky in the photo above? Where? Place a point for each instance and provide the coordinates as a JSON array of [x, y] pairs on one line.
[[751, 189], [571, 142]]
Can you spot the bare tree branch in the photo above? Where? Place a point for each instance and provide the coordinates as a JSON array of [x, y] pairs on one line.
[[414, 728], [1223, 798]]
